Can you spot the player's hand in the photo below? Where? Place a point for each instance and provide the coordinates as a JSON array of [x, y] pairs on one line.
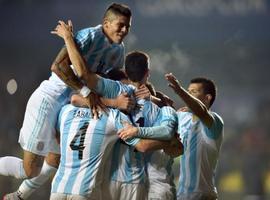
[[128, 131], [79, 101], [95, 104], [183, 109], [173, 82], [166, 100], [125, 103], [63, 30], [176, 148], [143, 93]]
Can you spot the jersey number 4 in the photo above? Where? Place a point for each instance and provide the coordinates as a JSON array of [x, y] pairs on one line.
[[80, 135]]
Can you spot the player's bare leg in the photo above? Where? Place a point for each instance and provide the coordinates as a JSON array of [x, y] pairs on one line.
[[30, 185]]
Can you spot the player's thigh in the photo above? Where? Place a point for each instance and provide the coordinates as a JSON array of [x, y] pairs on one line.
[[111, 190], [133, 191], [57, 196], [32, 163], [161, 191], [38, 131]]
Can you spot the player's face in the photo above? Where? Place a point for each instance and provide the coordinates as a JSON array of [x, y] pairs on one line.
[[196, 90], [117, 29]]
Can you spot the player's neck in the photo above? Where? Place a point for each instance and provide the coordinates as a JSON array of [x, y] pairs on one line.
[[136, 84]]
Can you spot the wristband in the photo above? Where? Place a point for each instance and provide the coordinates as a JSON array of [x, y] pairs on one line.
[[85, 91]]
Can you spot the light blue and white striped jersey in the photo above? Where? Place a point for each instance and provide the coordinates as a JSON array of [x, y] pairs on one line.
[[159, 164], [99, 53], [127, 163], [86, 145], [201, 151]]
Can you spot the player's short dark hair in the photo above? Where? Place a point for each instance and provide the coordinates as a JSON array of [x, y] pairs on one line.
[[116, 9], [136, 65], [117, 75], [209, 87]]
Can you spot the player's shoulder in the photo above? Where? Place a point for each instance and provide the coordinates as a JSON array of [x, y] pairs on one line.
[[115, 113], [128, 88], [168, 110], [217, 118], [68, 107], [96, 30]]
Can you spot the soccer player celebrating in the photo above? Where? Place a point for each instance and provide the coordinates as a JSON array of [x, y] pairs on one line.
[[103, 50], [127, 169], [201, 132]]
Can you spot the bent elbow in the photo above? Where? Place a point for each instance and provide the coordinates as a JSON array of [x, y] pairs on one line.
[[141, 148], [54, 68]]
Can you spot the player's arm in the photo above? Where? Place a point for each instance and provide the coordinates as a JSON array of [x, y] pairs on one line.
[[194, 104], [142, 145], [61, 67], [173, 147], [122, 102], [145, 145], [143, 92], [164, 131], [65, 31]]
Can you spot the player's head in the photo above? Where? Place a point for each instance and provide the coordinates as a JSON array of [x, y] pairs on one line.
[[118, 75], [116, 22], [204, 89], [137, 66]]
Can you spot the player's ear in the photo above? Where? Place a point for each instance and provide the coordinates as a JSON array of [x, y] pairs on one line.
[[208, 97], [105, 23]]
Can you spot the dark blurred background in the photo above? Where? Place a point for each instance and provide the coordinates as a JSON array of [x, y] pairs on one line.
[[225, 40]]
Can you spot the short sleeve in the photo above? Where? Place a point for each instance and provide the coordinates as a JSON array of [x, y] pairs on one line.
[[217, 127], [84, 38]]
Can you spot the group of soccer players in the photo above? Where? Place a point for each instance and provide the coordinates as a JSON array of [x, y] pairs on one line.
[[117, 137]]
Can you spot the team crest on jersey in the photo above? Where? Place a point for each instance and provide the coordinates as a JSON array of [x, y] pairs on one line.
[[40, 146]]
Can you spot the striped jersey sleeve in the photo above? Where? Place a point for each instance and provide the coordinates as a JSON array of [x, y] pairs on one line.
[[111, 89], [164, 127]]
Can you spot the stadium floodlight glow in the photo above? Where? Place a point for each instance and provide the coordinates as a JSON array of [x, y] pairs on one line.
[[12, 86]]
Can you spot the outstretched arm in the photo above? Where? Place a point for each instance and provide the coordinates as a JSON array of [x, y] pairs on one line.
[[61, 67], [197, 107], [64, 31]]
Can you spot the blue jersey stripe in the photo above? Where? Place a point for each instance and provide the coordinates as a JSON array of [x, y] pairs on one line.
[[193, 163], [74, 172], [115, 160], [61, 169], [182, 173], [95, 147]]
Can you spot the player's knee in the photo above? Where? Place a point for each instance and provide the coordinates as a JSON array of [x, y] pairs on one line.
[[53, 159], [32, 164], [32, 171]]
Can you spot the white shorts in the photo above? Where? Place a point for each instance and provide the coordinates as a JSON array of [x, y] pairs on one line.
[[58, 196], [197, 196], [38, 133], [115, 190], [160, 191]]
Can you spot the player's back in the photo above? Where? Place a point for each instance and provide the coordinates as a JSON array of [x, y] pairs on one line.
[[85, 146]]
